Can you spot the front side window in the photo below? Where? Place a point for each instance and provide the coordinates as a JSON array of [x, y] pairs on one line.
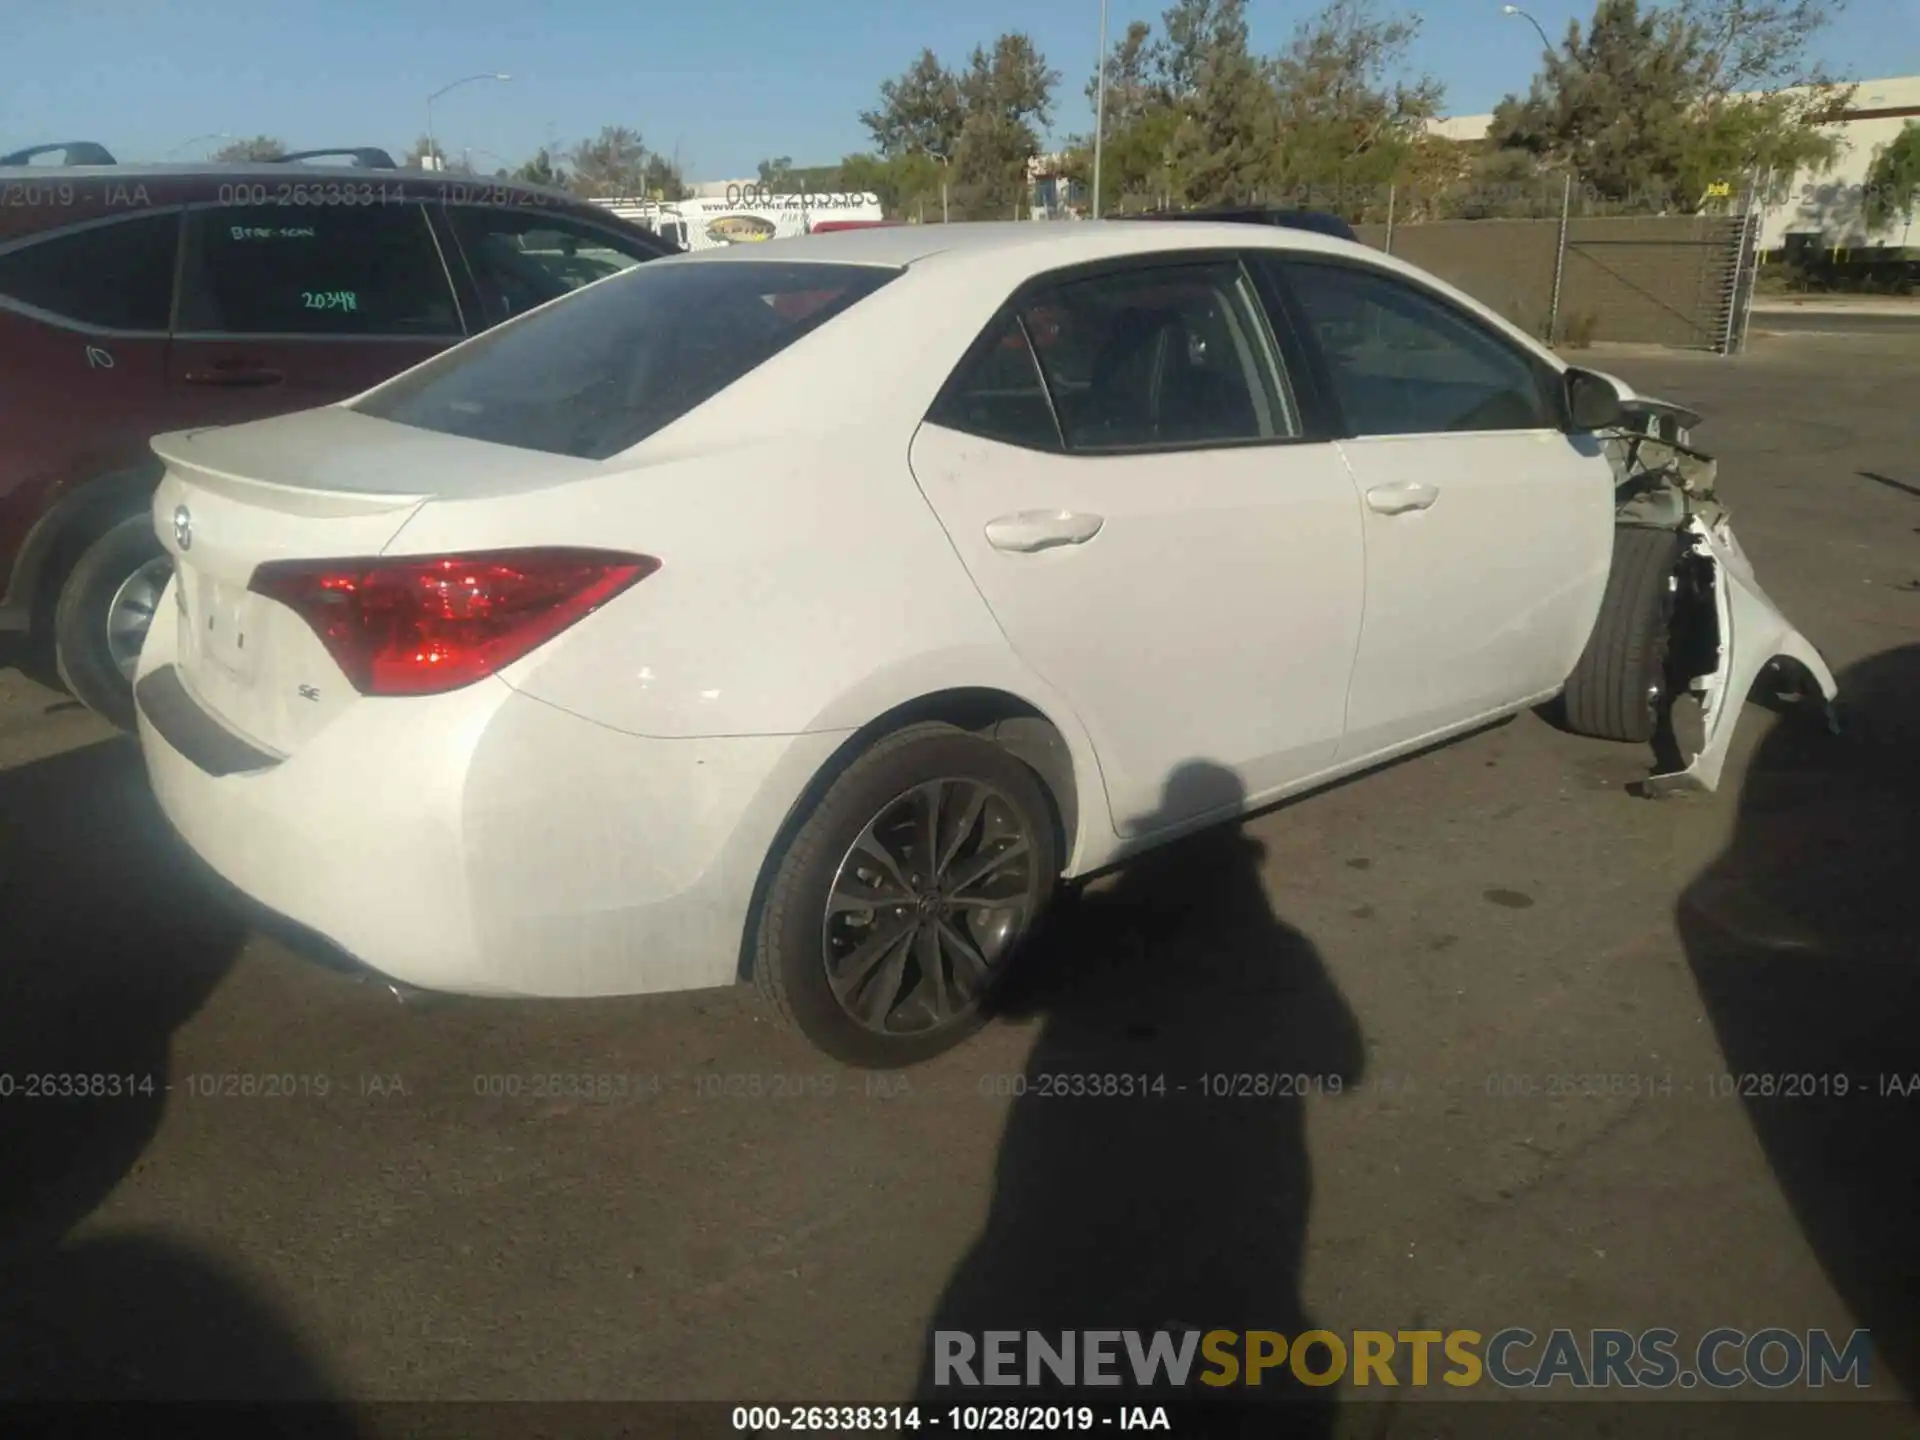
[[602, 370], [521, 259], [318, 270], [1403, 362], [117, 276], [1160, 357]]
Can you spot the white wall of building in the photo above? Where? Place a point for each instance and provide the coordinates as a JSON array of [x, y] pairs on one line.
[[1832, 204], [1829, 204]]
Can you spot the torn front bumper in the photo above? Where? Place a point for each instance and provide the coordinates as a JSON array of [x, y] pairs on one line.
[[1728, 634]]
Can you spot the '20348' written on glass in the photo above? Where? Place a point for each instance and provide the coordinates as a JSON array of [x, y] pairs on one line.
[[329, 300]]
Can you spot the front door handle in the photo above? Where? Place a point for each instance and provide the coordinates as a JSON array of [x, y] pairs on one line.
[[1399, 498], [1032, 530], [235, 373]]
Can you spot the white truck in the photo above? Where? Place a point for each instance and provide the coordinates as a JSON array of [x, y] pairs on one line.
[[754, 214]]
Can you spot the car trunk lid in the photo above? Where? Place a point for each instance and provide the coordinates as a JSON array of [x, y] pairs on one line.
[[326, 484]]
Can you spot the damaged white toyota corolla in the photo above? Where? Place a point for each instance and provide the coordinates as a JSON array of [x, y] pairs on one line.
[[808, 611]]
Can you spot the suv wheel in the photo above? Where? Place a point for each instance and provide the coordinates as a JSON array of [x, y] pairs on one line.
[[901, 900], [107, 604]]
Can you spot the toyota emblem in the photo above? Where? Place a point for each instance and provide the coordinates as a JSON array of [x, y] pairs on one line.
[[182, 527]]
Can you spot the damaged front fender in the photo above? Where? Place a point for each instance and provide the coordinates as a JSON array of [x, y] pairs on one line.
[[1751, 639], [1725, 634]]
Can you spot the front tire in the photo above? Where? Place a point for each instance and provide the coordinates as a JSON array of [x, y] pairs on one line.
[[902, 898], [1619, 687], [106, 605]]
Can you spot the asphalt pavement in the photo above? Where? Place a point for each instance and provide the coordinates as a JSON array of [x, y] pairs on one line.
[[375, 1204]]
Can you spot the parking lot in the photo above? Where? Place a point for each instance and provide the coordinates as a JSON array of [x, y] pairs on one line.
[[734, 1218]]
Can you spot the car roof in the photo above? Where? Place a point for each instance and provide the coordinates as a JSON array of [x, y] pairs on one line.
[[1042, 245], [1297, 218], [970, 269], [227, 169]]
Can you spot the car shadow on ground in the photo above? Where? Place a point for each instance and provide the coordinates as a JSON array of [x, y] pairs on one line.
[[108, 943], [1172, 1208], [1805, 946]]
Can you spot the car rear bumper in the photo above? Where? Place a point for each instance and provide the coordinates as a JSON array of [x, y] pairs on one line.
[[485, 843]]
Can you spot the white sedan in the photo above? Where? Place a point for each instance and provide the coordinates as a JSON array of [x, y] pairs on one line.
[[808, 610]]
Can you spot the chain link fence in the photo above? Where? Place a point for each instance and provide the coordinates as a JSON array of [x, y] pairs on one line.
[[1557, 256]]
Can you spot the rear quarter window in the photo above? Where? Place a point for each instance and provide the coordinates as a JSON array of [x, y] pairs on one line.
[[117, 275], [596, 373]]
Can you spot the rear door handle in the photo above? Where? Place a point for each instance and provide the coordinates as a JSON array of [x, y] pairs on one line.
[[234, 373], [1399, 498], [1032, 530]]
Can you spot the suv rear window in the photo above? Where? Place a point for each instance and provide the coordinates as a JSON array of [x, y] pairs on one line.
[[599, 371]]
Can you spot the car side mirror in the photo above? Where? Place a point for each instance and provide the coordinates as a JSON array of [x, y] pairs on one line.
[[1595, 401]]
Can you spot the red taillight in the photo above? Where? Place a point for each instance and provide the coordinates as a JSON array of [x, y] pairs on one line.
[[422, 625]]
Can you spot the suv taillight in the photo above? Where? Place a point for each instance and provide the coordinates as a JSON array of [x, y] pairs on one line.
[[423, 625]]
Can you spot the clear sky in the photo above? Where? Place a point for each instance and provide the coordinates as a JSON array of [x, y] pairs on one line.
[[726, 82]]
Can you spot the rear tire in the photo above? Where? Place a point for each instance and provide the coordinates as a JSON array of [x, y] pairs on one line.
[[1617, 690], [912, 975], [102, 601]]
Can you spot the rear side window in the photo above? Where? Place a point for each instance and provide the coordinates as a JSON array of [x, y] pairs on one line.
[[1167, 357], [999, 394], [118, 276], [600, 371], [315, 270]]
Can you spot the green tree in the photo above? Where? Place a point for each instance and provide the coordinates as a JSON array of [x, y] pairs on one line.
[[612, 164], [662, 178], [1224, 146], [543, 169], [979, 127], [920, 113], [777, 174], [256, 147], [1007, 99], [421, 148], [1893, 180], [1347, 118], [1195, 115], [1665, 101], [1140, 121]]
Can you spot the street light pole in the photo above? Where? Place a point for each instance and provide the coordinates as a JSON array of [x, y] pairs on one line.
[[946, 165], [1099, 109], [433, 150], [1512, 10]]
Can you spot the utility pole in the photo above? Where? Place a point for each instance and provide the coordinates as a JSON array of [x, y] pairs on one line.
[[433, 150], [1099, 110]]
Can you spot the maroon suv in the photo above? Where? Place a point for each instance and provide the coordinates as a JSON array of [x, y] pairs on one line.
[[141, 299]]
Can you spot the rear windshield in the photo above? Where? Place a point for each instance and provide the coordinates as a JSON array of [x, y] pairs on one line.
[[603, 369]]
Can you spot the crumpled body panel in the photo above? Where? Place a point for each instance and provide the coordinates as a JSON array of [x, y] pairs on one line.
[[1663, 483], [1754, 638]]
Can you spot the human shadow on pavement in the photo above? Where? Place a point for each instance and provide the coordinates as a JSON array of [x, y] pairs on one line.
[[1804, 939], [109, 942], [1173, 1207]]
